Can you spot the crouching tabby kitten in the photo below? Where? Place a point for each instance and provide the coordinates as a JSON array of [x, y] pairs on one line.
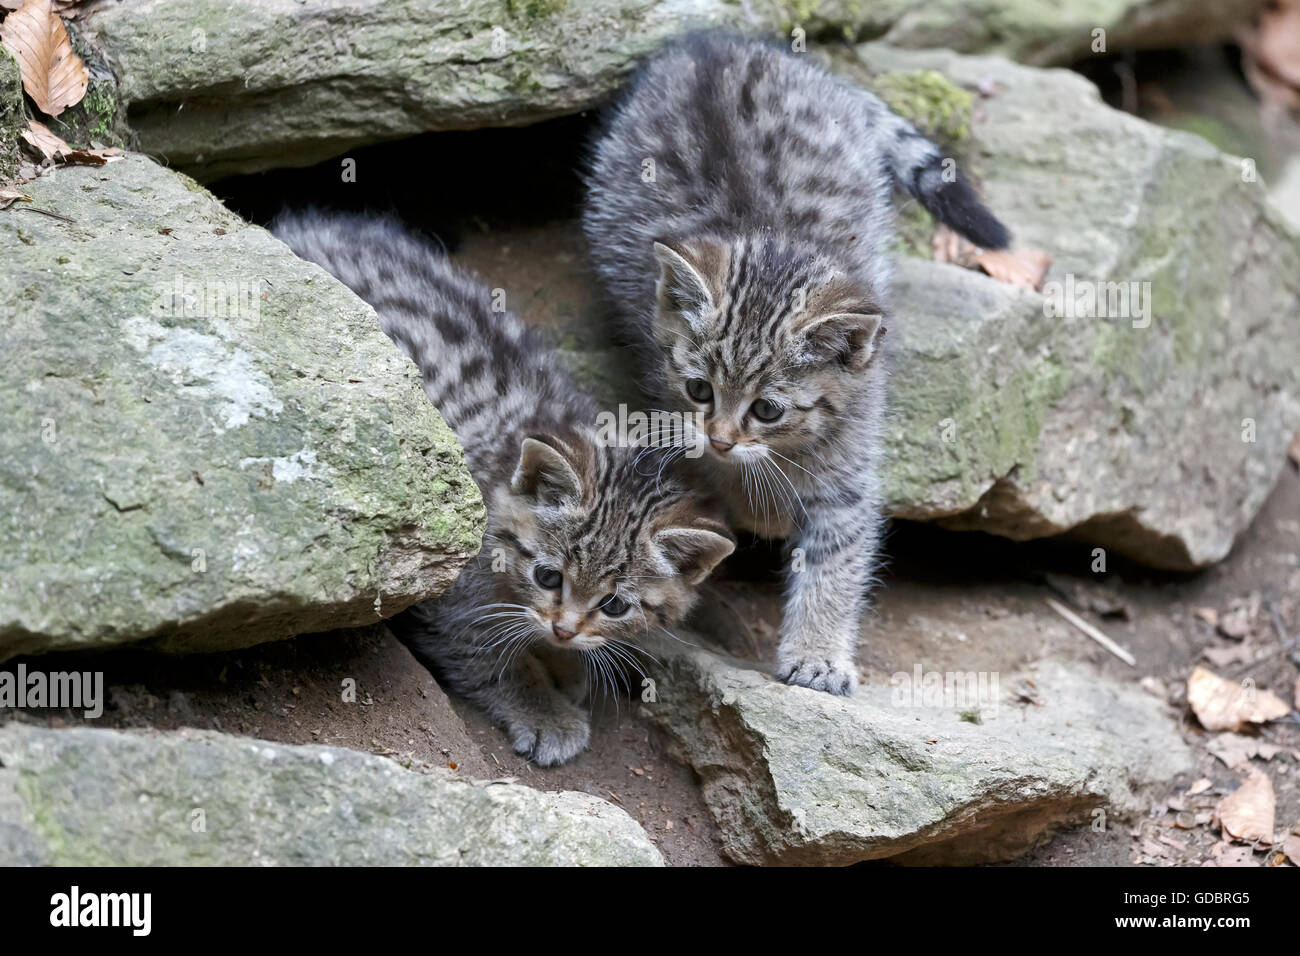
[[584, 551], [739, 216]]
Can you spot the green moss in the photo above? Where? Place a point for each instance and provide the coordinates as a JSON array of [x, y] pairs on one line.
[[935, 105], [98, 120], [821, 20], [1227, 138], [535, 9], [13, 116]]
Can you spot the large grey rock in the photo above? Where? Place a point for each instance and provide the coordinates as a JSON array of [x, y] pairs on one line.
[[795, 776], [106, 798], [1158, 436], [207, 442], [218, 86]]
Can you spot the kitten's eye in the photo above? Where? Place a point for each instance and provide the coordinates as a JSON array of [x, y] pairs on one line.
[[548, 578], [614, 606], [699, 390], [766, 411]]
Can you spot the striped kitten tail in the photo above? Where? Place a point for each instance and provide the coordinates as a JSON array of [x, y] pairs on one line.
[[917, 165], [479, 362]]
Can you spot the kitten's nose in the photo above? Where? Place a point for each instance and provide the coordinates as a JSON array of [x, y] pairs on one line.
[[563, 633], [721, 444]]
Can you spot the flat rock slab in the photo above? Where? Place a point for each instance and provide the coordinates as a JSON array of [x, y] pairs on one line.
[[100, 797], [222, 86], [208, 442], [794, 776]]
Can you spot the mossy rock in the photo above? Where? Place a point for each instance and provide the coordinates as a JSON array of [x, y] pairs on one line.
[[276, 804], [933, 103], [208, 442]]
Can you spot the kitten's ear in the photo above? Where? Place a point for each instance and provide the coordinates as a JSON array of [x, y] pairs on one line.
[[695, 549], [690, 277], [849, 337], [547, 470]]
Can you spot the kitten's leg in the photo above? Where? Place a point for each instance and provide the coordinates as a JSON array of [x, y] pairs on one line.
[[540, 721], [830, 569]]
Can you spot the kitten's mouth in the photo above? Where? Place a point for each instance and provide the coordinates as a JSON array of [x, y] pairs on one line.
[[579, 642]]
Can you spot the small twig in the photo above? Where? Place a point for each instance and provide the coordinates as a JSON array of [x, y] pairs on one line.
[[46, 212], [1285, 644], [1285, 639], [1091, 631]]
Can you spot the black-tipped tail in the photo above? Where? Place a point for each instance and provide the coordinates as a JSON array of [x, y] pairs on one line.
[[951, 200]]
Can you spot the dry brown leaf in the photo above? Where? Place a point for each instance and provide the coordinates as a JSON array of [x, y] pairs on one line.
[[1291, 844], [48, 144], [1200, 786], [1238, 749], [89, 157], [1224, 705], [1239, 620], [1278, 47], [1025, 268], [948, 246], [10, 196], [1291, 847], [53, 75], [1269, 59], [54, 149], [1246, 814], [1225, 854], [68, 9], [1229, 656], [1209, 615]]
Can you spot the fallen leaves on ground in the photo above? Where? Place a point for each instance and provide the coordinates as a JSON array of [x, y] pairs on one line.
[[1246, 814], [1225, 854], [1271, 54], [1229, 656], [1291, 844], [68, 9], [1225, 705], [1239, 620], [53, 149], [53, 75], [1235, 750], [1024, 268], [10, 196]]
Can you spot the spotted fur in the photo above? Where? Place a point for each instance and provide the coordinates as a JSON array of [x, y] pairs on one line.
[[739, 216], [558, 497]]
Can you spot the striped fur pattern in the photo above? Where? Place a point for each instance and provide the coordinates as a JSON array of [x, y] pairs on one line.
[[739, 216], [586, 548]]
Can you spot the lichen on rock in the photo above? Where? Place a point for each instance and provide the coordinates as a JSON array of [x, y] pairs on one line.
[[209, 442]]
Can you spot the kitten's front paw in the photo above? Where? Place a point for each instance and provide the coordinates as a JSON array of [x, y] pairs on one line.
[[551, 739], [834, 677]]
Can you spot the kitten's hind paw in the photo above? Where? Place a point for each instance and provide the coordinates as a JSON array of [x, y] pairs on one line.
[[552, 741], [838, 678]]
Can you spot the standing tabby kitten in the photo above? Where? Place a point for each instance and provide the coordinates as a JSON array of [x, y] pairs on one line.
[[583, 553], [739, 216]]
